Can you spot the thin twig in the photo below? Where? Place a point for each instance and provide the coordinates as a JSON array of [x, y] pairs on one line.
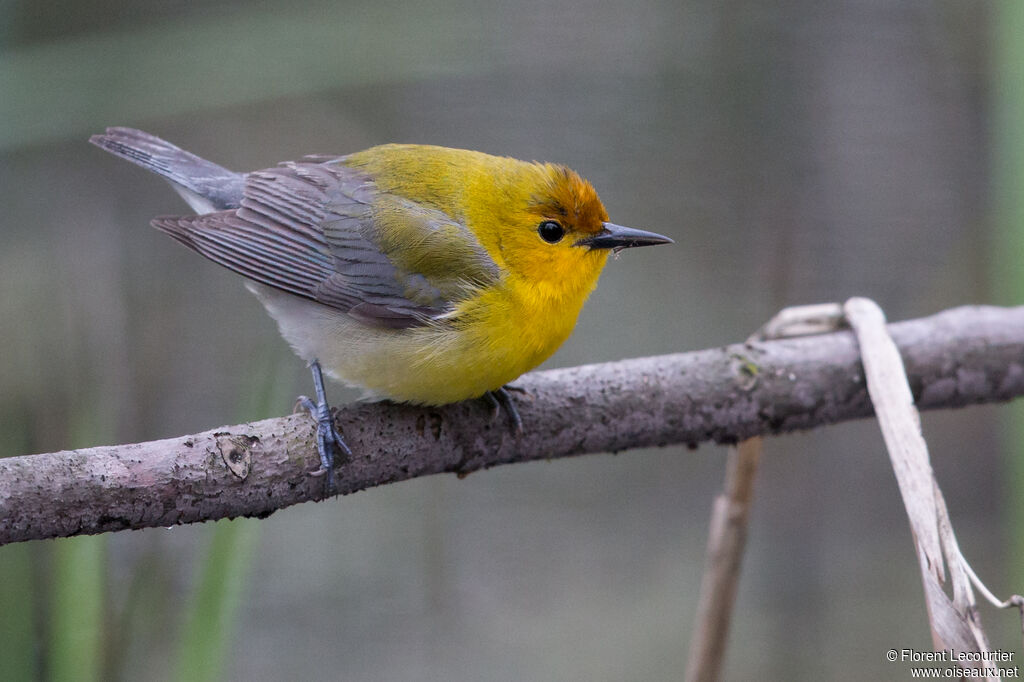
[[727, 537]]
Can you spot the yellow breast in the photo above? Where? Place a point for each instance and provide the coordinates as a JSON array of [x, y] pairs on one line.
[[504, 332]]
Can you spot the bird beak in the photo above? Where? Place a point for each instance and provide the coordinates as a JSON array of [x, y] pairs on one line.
[[617, 237]]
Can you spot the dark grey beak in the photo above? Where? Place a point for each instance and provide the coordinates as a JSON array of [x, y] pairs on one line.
[[618, 237]]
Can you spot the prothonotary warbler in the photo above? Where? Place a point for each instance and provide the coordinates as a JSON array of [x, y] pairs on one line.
[[420, 274]]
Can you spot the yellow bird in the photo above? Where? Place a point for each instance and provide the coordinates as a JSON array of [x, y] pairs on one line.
[[420, 274]]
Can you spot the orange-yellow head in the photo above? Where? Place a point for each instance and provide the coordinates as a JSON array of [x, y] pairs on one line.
[[557, 234]]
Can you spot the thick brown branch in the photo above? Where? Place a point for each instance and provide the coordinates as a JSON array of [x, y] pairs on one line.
[[958, 357]]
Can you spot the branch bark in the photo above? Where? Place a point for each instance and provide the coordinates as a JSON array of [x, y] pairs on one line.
[[958, 357]]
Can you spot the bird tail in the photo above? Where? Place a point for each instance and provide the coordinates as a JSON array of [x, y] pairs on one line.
[[203, 184]]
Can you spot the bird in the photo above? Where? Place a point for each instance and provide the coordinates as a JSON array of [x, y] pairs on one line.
[[420, 274]]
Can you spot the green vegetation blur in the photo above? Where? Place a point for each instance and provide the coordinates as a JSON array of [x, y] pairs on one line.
[[797, 152]]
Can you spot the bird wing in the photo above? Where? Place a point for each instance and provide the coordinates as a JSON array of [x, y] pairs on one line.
[[323, 231]]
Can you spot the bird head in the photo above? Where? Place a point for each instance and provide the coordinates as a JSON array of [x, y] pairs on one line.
[[555, 231]]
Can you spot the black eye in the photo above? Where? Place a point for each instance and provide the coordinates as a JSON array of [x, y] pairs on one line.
[[551, 232]]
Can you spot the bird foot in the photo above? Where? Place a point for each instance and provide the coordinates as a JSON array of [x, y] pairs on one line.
[[502, 400], [328, 439]]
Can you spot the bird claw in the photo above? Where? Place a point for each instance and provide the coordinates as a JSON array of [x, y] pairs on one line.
[[501, 400], [328, 439]]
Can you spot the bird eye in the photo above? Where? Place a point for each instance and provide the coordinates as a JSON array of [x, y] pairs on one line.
[[551, 232]]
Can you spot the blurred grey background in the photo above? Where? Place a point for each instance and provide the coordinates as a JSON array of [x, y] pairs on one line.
[[797, 152]]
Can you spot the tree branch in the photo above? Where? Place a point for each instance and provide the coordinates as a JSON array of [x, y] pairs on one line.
[[959, 357]]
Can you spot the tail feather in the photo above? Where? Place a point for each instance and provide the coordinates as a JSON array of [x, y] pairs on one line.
[[203, 184]]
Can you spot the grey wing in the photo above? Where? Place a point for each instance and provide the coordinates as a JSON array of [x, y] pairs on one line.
[[311, 229]]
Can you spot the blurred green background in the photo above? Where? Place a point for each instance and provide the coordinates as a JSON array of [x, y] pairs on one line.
[[798, 152]]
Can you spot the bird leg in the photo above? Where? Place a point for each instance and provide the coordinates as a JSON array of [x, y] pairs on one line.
[[502, 400], [327, 437]]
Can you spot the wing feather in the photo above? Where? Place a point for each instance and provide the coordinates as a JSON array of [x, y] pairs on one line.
[[323, 231]]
